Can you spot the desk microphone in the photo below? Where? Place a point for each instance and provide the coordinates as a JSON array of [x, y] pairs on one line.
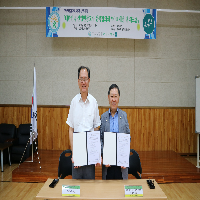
[[54, 182]]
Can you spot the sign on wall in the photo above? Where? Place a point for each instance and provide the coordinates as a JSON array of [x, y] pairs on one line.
[[101, 22]]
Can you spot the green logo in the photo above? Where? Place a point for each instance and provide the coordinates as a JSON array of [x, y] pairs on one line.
[[148, 23], [54, 22]]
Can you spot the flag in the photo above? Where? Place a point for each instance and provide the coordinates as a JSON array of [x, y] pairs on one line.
[[34, 110]]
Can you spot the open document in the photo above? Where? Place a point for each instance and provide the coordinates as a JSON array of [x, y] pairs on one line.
[[93, 147], [116, 149], [86, 148]]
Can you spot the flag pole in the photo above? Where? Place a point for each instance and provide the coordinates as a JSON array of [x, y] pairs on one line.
[[33, 129], [33, 126], [32, 143]]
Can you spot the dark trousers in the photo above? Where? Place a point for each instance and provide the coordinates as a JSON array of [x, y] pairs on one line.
[[84, 172], [114, 172]]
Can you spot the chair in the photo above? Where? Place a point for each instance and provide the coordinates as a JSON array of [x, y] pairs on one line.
[[65, 164], [23, 135], [135, 165], [7, 135], [7, 132]]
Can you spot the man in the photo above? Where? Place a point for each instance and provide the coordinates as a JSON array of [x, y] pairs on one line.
[[83, 116], [114, 120]]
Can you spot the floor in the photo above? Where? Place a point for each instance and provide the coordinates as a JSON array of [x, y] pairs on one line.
[[23, 191], [163, 166]]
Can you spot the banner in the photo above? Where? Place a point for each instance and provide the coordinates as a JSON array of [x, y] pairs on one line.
[[34, 110], [101, 22]]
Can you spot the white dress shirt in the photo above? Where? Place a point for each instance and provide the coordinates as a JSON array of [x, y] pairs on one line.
[[83, 116]]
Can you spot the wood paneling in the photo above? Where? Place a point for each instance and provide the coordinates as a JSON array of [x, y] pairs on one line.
[[53, 128], [162, 129], [151, 128]]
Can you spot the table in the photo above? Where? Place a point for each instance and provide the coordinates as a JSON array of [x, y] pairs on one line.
[[101, 189], [2, 147]]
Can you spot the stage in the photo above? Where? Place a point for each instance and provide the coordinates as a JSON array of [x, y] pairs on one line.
[[163, 166]]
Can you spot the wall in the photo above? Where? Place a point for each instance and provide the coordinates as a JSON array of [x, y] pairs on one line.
[[151, 73], [157, 72]]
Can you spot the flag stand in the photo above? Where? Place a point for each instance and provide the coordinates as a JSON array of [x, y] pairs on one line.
[[30, 139], [32, 148]]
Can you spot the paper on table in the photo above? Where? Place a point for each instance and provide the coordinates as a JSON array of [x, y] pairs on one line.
[[109, 149], [71, 190], [133, 191], [123, 149], [79, 149], [93, 147]]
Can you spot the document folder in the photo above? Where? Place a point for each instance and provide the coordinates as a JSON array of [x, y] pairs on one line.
[[116, 150], [86, 148]]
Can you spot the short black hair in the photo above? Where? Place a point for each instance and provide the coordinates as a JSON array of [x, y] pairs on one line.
[[83, 67], [112, 87]]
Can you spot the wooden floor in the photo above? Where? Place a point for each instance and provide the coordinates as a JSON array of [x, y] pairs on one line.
[[163, 166], [23, 191]]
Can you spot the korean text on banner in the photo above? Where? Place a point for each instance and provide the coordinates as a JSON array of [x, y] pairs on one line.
[[101, 22]]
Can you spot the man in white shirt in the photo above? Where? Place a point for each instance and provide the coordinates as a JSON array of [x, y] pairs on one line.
[[83, 116]]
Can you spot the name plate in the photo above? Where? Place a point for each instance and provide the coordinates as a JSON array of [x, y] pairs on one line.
[[71, 190], [133, 191]]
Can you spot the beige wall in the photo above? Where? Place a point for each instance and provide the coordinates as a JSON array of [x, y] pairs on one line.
[[157, 72]]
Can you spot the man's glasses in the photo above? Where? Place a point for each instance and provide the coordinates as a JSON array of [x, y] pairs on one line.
[[83, 79]]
